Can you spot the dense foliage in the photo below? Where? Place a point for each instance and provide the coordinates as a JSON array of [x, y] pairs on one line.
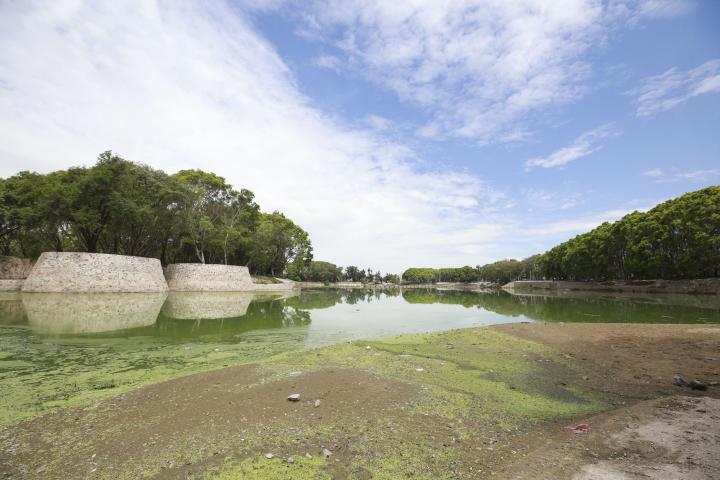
[[326, 272], [677, 239], [120, 207]]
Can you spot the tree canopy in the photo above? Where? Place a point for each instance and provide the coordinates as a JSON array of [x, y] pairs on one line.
[[120, 207]]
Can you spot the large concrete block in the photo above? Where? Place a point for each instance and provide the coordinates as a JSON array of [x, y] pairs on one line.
[[198, 277], [94, 272]]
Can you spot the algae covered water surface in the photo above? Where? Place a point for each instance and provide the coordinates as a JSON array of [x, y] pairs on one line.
[[58, 349]]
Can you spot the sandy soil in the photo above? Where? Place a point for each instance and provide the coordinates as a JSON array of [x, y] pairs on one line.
[[185, 427]]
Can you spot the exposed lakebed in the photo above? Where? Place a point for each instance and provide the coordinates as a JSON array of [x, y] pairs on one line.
[[58, 349]]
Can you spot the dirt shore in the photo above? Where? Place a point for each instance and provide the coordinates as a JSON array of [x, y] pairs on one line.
[[463, 404]]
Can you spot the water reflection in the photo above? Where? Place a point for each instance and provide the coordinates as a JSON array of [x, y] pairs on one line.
[[11, 309], [582, 306], [340, 313], [80, 313]]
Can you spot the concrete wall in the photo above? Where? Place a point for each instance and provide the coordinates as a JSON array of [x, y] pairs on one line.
[[196, 277], [94, 272], [14, 268], [701, 286], [13, 272]]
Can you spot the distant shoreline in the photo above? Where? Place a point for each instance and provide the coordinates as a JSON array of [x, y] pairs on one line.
[[702, 286]]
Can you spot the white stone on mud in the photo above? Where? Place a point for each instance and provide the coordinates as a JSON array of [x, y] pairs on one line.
[[295, 397]]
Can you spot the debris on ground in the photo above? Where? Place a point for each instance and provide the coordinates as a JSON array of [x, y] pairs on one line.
[[579, 428]]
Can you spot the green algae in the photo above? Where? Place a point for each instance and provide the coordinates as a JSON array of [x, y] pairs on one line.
[[261, 468], [479, 372]]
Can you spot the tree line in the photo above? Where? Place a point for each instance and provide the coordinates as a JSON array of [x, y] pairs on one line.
[[120, 207], [677, 239], [326, 272]]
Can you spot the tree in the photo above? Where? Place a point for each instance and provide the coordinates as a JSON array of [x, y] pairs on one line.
[[279, 244]]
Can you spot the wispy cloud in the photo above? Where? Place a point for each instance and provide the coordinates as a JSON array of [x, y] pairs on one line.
[[635, 11], [702, 175], [584, 145], [477, 66], [655, 172], [670, 89], [193, 85]]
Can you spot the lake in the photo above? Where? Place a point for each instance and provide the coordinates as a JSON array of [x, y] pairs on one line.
[[60, 349]]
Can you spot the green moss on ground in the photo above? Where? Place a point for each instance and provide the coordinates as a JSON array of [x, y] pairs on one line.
[[261, 468], [478, 372]]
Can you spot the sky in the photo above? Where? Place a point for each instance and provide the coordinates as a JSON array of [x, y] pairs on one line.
[[398, 134]]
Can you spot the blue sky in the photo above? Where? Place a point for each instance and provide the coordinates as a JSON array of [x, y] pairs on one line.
[[397, 133]]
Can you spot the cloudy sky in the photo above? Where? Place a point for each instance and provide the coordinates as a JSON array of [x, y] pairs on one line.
[[410, 133]]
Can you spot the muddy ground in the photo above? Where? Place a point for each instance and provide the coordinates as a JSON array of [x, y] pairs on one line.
[[476, 403]]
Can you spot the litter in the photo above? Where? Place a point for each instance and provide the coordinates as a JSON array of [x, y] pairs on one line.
[[579, 428]]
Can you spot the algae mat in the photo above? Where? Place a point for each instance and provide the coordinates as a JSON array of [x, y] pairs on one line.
[[416, 405]]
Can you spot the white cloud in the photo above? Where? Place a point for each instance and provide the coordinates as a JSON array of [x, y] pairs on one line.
[[699, 175], [479, 69], [478, 66], [670, 89], [675, 176], [578, 225], [584, 145], [193, 85], [655, 172]]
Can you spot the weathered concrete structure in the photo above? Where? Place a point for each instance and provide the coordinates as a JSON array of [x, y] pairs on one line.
[[13, 272], [94, 272], [60, 313], [198, 277]]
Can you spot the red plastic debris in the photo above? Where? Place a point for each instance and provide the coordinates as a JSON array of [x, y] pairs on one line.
[[579, 428]]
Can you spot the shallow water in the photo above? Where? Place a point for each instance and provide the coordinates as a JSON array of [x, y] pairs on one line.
[[58, 349]]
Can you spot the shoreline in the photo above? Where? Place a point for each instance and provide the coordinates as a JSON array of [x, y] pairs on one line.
[[468, 402]]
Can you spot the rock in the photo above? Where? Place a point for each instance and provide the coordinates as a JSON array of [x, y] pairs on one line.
[[317, 403], [326, 453], [679, 381], [295, 397], [696, 385], [419, 369], [368, 347], [290, 460], [307, 455], [269, 455]]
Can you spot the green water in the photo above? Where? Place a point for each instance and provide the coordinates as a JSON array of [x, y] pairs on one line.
[[59, 349]]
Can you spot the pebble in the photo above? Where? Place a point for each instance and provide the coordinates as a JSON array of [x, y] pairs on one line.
[[269, 455], [317, 403], [419, 369], [368, 347], [290, 460], [295, 397], [326, 453]]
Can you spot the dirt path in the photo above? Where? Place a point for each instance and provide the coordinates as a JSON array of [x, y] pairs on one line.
[[193, 426]]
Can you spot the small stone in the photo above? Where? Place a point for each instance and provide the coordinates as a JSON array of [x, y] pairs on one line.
[[368, 347], [585, 377], [269, 455], [295, 397], [419, 369], [326, 453], [317, 403], [307, 455], [697, 385], [679, 381], [290, 460]]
